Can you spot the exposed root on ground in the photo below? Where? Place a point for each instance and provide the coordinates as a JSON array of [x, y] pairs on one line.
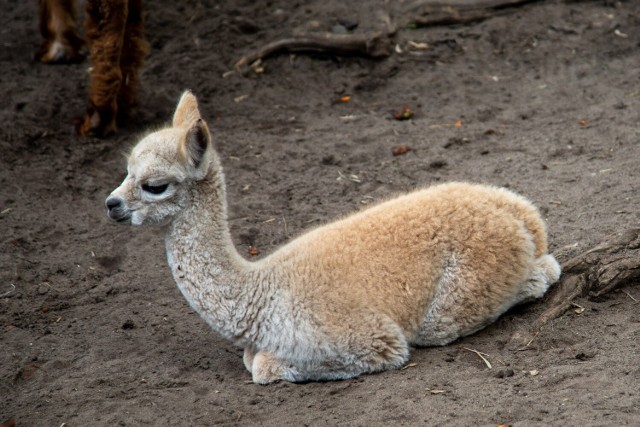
[[379, 44], [374, 45], [613, 263], [448, 12]]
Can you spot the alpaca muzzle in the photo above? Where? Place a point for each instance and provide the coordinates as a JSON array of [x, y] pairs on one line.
[[116, 209]]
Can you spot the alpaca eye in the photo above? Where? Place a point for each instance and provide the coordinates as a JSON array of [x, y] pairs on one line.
[[155, 189]]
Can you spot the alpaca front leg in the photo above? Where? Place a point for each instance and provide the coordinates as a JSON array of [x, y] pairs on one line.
[[266, 369], [377, 344], [105, 26], [134, 50], [62, 43]]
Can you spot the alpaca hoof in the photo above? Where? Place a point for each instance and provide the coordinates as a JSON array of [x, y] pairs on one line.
[[266, 369], [95, 124], [58, 53]]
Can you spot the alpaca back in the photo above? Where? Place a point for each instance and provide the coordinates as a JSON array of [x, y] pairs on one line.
[[390, 258]]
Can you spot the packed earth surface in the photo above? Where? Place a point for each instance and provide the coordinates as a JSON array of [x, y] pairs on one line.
[[542, 98]]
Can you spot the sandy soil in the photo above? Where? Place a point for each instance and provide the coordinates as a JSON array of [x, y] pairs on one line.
[[93, 329]]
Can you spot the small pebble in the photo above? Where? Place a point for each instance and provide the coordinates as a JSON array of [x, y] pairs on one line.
[[128, 325], [504, 373], [339, 29]]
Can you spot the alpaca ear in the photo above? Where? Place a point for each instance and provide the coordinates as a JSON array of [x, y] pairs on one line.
[[186, 111], [196, 143]]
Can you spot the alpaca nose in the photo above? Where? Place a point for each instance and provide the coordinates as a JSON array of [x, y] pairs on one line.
[[117, 209], [113, 202]]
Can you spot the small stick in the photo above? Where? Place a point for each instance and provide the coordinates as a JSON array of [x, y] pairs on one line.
[[630, 296], [409, 365], [8, 293], [480, 355], [531, 340]]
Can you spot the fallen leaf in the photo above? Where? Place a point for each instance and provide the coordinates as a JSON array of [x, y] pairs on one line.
[[345, 98], [584, 122], [405, 114], [400, 149], [458, 123]]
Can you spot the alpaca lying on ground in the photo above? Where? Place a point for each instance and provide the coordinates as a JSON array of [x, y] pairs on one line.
[[346, 298], [117, 48]]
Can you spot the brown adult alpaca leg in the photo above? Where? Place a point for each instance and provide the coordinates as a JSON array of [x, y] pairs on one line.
[[61, 43], [134, 50], [105, 27]]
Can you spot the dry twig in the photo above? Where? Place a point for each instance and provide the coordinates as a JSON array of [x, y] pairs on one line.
[[9, 292], [631, 296], [481, 356]]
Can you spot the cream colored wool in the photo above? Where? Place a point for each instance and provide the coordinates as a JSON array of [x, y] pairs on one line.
[[346, 298]]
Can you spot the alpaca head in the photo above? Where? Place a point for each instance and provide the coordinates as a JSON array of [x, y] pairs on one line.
[[162, 167]]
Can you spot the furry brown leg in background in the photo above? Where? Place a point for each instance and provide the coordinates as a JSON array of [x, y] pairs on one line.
[[115, 35], [106, 20], [134, 50], [57, 22]]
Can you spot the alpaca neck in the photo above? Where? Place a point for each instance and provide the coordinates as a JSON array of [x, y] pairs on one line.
[[208, 270]]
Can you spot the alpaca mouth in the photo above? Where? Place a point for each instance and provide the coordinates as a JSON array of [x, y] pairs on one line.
[[119, 216]]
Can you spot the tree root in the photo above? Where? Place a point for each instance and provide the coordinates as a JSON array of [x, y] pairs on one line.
[[379, 44], [445, 12], [613, 263], [374, 45]]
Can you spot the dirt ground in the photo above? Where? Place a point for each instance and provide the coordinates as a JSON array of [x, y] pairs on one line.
[[542, 98]]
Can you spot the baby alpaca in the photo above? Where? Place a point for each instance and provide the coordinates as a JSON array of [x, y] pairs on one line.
[[347, 298]]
